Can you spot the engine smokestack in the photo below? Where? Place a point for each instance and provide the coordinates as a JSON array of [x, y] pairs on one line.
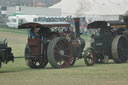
[[77, 26]]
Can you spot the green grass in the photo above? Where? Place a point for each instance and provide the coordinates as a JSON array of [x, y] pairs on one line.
[[16, 41], [18, 73], [100, 74], [13, 30]]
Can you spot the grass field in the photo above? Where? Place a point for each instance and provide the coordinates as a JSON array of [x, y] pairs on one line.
[[18, 73]]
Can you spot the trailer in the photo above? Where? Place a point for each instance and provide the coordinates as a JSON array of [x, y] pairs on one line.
[[14, 21]]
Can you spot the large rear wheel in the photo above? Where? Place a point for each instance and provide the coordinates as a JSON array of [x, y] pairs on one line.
[[59, 52], [120, 49], [90, 57], [34, 62]]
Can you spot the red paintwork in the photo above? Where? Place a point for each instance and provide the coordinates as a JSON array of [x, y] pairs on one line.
[[35, 47]]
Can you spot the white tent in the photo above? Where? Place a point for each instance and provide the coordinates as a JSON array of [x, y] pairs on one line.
[[92, 7]]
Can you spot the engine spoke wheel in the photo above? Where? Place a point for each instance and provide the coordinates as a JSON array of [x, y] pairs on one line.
[[59, 52], [34, 62], [90, 57], [120, 49]]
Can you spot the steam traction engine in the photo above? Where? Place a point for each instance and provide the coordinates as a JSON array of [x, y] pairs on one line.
[[5, 53], [53, 42], [109, 39]]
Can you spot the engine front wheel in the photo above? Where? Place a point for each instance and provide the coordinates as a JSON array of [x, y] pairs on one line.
[[34, 62], [90, 57]]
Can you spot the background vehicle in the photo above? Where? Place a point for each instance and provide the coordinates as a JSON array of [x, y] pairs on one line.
[[110, 39], [14, 21], [5, 53]]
